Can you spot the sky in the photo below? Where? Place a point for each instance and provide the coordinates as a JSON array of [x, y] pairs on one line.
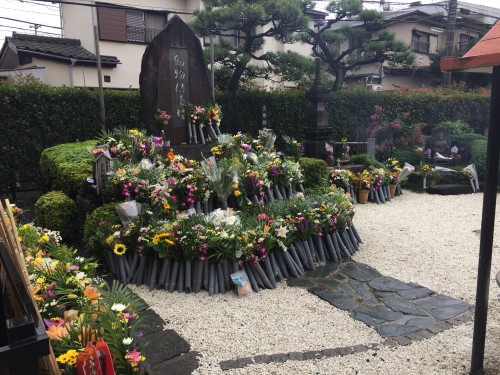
[[30, 13]]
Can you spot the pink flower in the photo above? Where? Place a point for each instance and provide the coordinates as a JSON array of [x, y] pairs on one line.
[[374, 117], [133, 356]]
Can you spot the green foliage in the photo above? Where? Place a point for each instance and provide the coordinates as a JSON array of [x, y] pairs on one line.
[[96, 226], [242, 22], [65, 166], [55, 210], [366, 160], [458, 127], [350, 110], [35, 116], [326, 38], [464, 143], [478, 156], [405, 155], [315, 172]]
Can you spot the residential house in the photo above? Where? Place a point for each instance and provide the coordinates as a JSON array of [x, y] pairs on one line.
[[424, 28], [123, 28]]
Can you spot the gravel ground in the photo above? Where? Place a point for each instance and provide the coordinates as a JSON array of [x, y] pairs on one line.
[[428, 239]]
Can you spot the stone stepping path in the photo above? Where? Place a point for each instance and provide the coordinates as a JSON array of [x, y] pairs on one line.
[[167, 352], [394, 308], [400, 312]]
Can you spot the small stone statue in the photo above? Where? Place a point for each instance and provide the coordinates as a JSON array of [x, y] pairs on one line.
[[441, 145]]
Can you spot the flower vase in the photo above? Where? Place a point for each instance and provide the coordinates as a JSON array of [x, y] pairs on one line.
[[392, 189], [363, 196]]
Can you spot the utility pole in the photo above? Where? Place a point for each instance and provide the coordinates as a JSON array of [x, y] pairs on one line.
[[450, 37], [99, 70]]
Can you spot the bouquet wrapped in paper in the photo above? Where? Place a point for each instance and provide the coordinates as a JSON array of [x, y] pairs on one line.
[[128, 212], [221, 176], [407, 169], [471, 172]]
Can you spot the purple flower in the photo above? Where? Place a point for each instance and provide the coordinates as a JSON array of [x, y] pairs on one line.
[[158, 141]]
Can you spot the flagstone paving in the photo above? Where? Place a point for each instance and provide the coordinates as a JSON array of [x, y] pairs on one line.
[[394, 308], [400, 312]]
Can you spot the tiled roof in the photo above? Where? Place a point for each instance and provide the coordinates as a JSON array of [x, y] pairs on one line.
[[58, 48]]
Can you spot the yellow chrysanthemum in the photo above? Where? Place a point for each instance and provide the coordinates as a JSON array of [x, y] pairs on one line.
[[45, 239], [134, 132], [120, 249], [69, 357], [110, 240]]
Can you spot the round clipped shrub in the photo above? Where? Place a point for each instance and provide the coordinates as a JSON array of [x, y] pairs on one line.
[[366, 160], [56, 211], [65, 166], [315, 172], [97, 226]]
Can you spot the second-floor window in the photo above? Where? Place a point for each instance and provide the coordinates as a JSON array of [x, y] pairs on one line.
[[142, 26], [465, 43], [129, 25], [420, 41], [357, 43]]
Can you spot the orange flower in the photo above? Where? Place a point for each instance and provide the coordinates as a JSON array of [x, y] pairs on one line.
[[171, 154], [91, 293], [57, 332]]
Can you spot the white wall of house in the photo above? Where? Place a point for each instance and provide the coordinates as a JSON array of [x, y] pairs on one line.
[[78, 21]]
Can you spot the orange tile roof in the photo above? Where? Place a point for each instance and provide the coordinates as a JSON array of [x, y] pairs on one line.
[[485, 53]]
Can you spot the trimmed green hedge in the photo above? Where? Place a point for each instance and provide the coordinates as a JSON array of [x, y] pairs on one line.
[[34, 117], [65, 166], [315, 172], [55, 210]]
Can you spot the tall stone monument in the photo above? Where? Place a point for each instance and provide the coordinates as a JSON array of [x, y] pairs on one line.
[[317, 132], [173, 73]]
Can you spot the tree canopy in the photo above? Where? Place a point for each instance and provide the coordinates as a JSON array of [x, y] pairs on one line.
[[241, 27], [370, 41]]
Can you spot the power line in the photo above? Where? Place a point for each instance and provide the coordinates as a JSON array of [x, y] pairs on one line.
[[114, 6], [30, 11], [29, 22], [24, 29]]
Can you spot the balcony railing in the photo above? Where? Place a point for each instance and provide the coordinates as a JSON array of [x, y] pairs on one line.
[[141, 34], [418, 46]]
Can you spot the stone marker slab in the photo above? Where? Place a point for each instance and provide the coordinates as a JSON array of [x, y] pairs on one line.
[[173, 74]]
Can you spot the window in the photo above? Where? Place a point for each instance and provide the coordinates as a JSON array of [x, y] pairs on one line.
[[130, 25], [420, 41], [107, 78], [465, 43], [357, 42]]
